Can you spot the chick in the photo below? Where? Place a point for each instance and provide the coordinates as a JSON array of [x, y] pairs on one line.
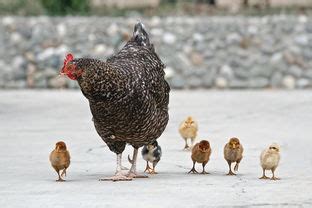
[[233, 152], [188, 129], [269, 160], [151, 153], [201, 153], [60, 159]]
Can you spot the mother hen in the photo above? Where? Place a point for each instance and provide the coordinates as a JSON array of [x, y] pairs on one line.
[[128, 96]]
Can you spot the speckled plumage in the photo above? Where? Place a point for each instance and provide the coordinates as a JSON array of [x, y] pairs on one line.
[[128, 94]]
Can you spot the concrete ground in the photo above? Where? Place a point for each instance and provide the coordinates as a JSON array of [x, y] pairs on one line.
[[31, 122]]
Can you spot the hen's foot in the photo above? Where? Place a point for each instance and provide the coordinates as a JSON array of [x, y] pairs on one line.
[[136, 175], [118, 177], [124, 168], [275, 178], [193, 171], [264, 177]]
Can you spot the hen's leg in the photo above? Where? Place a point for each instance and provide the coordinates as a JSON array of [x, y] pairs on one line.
[[118, 175], [132, 172]]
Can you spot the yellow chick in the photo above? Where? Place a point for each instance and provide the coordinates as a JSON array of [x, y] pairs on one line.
[[269, 160], [60, 159], [201, 154], [233, 152], [188, 130]]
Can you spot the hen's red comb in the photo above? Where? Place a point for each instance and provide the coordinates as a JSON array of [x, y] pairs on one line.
[[69, 57]]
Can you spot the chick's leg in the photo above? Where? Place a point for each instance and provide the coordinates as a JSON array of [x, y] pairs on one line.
[[204, 172], [192, 142], [148, 168], [118, 175], [273, 177], [58, 173], [132, 172], [63, 172], [193, 168], [263, 174], [186, 145], [236, 166], [230, 169], [153, 170]]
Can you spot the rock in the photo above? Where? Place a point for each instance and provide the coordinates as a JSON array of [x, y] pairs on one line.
[[233, 38], [155, 21], [303, 83], [61, 29], [16, 38], [112, 29], [289, 82], [197, 59], [194, 82], [221, 82], [276, 58], [259, 82], [198, 37], [238, 84], [169, 38], [226, 71], [99, 49], [295, 71], [177, 82], [57, 82], [302, 40], [276, 79], [169, 72]]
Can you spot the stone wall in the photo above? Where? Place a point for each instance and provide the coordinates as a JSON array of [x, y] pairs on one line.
[[200, 52]]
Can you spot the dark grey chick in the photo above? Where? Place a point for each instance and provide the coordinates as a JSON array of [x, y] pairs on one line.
[[151, 153]]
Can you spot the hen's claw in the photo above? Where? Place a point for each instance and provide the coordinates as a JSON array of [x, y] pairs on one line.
[[136, 175], [118, 177]]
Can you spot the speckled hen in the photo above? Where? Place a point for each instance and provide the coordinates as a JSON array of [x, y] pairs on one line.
[[128, 96]]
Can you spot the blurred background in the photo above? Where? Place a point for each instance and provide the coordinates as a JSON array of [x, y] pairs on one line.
[[224, 44]]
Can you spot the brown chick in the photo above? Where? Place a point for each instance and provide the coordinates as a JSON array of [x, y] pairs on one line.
[[201, 153], [188, 130], [60, 159], [233, 152], [269, 160]]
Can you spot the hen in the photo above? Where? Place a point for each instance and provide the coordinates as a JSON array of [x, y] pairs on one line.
[[128, 96]]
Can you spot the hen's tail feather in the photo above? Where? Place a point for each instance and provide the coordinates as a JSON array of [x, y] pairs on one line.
[[140, 35]]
